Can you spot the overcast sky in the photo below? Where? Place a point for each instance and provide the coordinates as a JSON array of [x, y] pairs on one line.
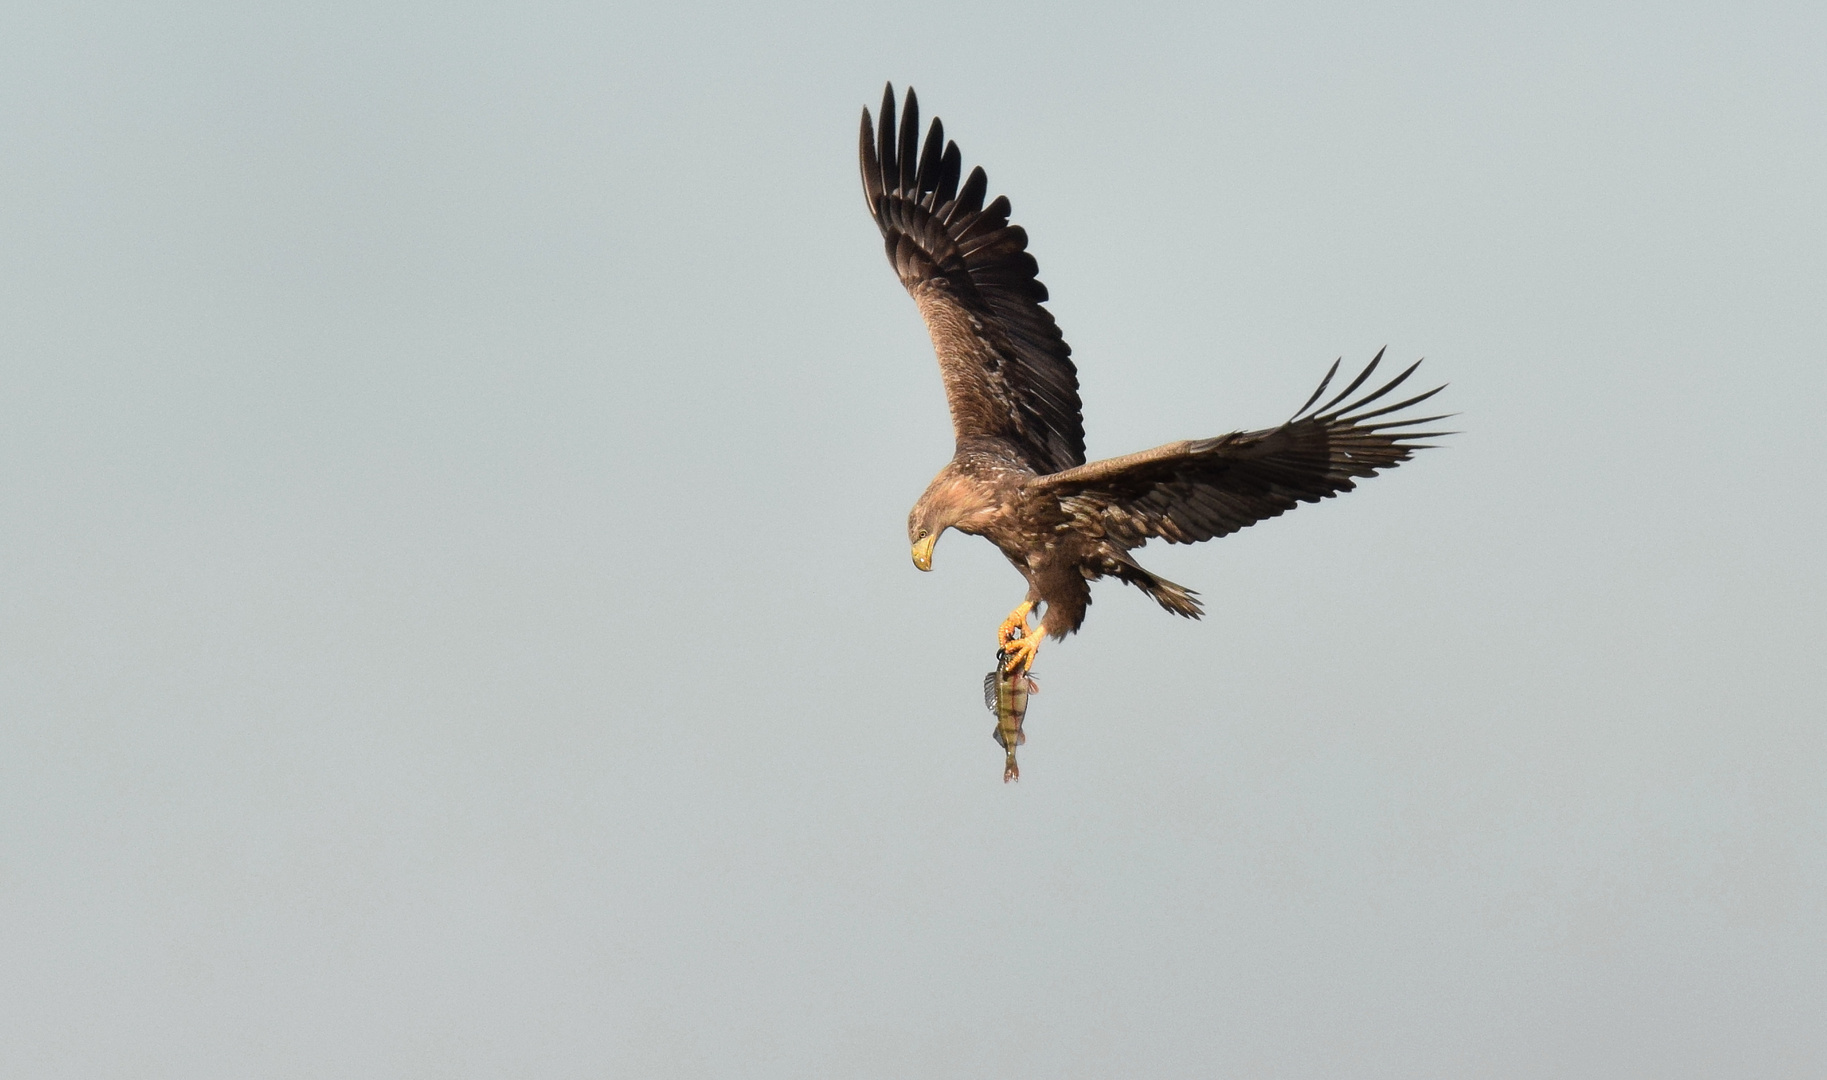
[[455, 610]]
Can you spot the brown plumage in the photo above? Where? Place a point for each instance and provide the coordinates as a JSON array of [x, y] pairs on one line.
[[1019, 475]]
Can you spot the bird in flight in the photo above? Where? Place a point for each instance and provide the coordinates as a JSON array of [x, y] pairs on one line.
[[1019, 477]]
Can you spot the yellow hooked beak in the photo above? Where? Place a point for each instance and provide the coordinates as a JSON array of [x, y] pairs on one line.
[[923, 552]]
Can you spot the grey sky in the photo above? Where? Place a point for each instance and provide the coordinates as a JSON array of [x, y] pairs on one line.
[[456, 619]]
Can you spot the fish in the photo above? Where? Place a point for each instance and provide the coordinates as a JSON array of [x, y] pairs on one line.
[[1006, 695]]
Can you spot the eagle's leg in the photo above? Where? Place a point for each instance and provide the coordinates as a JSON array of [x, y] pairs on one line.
[[1015, 643], [1015, 626]]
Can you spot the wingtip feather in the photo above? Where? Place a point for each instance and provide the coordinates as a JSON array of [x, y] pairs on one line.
[[1318, 390]]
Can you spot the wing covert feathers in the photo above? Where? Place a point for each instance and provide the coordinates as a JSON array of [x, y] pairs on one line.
[[1008, 372], [1195, 490]]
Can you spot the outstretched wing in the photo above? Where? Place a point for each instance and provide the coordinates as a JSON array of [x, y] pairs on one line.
[[1195, 490], [1008, 372]]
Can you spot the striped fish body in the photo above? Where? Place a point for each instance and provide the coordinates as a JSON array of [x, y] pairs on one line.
[[1006, 694]]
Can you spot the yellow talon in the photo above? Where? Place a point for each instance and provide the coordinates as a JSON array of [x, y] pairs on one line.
[[1018, 656], [1013, 627]]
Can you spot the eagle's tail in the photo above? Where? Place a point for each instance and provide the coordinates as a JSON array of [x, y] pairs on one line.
[[1176, 598]]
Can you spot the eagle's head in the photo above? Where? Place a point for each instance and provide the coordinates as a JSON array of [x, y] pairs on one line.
[[952, 500]]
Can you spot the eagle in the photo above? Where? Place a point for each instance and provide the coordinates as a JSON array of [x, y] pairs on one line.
[[1018, 476]]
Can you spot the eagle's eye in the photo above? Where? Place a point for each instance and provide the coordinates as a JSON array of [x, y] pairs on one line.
[[922, 535]]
